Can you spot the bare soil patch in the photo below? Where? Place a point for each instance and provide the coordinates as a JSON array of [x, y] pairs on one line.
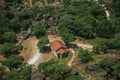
[[29, 48], [54, 37]]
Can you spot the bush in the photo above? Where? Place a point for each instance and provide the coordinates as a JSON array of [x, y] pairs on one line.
[[9, 36], [107, 64], [13, 61], [40, 31], [9, 49], [54, 70], [25, 24], [42, 44], [85, 56], [112, 43]]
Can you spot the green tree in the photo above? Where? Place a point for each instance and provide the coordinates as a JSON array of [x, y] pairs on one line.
[[116, 68], [40, 31], [67, 38], [9, 14], [25, 24], [54, 70], [9, 36], [42, 44], [85, 56], [112, 43], [105, 29], [9, 49], [15, 26], [2, 72], [12, 75], [100, 49], [65, 2], [25, 73], [13, 62], [41, 66], [35, 10], [97, 11], [107, 64]]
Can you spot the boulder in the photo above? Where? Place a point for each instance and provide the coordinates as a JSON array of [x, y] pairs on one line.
[[25, 34], [37, 76]]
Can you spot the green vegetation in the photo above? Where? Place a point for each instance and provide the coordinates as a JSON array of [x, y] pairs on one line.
[[25, 24], [12, 75], [67, 38], [13, 62], [40, 31], [9, 37], [74, 78], [69, 19], [42, 43], [9, 49], [56, 71], [85, 56], [112, 43]]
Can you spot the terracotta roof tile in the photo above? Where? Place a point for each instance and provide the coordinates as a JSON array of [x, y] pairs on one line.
[[58, 46]]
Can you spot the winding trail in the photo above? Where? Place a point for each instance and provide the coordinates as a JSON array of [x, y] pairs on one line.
[[72, 59], [84, 46], [30, 1], [106, 11]]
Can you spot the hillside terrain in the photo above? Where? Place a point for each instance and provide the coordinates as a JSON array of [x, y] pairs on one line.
[[89, 30]]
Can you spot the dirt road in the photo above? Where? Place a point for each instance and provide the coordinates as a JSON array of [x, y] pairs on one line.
[[73, 56]]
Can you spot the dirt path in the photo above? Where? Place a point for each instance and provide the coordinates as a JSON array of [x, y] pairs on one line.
[[85, 46], [30, 2], [106, 11], [72, 59]]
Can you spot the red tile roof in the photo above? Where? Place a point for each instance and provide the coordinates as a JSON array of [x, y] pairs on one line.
[[58, 46]]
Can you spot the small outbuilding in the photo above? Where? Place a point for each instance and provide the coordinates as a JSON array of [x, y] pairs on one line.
[[59, 49]]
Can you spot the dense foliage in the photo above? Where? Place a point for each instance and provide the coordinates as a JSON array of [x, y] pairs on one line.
[[85, 19], [42, 43], [112, 43], [85, 56]]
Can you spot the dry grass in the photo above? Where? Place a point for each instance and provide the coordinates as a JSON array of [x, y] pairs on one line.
[[29, 48]]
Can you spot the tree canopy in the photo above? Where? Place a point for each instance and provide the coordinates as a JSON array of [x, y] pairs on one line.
[[85, 56], [42, 43], [13, 62], [9, 37]]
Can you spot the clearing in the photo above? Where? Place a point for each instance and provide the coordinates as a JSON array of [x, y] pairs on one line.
[[31, 53]]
